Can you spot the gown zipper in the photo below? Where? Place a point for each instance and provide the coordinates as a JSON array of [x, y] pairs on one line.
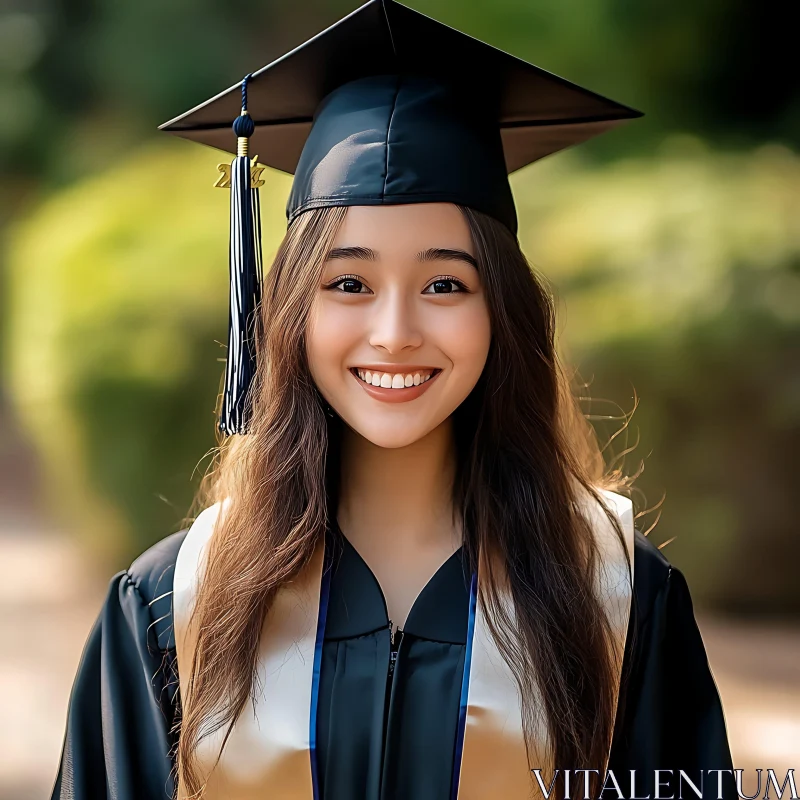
[[396, 637]]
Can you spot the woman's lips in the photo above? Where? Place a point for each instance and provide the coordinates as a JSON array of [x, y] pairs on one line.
[[388, 395]]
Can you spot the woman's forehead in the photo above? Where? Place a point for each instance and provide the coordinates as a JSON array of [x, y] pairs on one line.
[[405, 229]]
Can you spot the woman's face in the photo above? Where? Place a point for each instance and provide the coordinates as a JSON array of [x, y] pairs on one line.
[[399, 331]]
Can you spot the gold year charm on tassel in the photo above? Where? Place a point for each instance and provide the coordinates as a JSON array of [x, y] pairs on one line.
[[224, 179]]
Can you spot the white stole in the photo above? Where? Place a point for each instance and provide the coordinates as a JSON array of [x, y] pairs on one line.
[[269, 752]]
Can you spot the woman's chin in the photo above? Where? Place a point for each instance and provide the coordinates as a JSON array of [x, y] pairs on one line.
[[391, 436]]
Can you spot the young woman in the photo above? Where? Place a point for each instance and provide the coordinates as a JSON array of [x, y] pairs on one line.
[[413, 576]]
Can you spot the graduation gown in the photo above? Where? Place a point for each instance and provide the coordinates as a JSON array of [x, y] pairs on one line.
[[388, 711]]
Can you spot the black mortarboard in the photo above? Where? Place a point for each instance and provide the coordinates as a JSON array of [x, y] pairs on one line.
[[386, 106]]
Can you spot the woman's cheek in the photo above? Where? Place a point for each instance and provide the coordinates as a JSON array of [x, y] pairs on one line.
[[464, 337], [333, 331]]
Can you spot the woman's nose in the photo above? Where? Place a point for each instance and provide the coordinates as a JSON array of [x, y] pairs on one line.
[[394, 324]]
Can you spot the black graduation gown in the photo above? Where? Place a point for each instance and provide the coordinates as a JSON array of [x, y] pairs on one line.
[[384, 731]]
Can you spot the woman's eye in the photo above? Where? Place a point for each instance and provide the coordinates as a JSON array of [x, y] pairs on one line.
[[445, 286], [349, 285]]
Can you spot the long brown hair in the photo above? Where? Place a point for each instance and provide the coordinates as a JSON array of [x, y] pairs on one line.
[[524, 449]]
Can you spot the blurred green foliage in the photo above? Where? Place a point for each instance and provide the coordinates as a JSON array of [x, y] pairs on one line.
[[80, 78], [678, 275], [118, 290], [680, 279]]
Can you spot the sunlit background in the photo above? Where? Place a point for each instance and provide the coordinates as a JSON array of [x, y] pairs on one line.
[[673, 244]]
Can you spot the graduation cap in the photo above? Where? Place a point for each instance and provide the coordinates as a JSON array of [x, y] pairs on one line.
[[386, 106]]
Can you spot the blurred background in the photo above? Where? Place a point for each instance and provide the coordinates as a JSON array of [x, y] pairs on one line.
[[672, 243]]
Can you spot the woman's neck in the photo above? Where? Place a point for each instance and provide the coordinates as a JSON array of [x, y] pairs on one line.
[[399, 498]]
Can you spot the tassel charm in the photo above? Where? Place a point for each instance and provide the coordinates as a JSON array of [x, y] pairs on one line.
[[246, 274]]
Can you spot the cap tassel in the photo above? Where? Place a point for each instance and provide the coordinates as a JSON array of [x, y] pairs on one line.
[[246, 273]]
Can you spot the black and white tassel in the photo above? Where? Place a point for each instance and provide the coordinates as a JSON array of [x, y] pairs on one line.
[[246, 274]]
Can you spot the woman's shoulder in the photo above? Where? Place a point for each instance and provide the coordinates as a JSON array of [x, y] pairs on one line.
[[152, 572], [150, 575], [653, 573], [651, 568], [649, 560]]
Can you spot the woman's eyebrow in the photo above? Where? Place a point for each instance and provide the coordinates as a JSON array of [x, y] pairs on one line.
[[446, 254], [431, 254], [363, 253]]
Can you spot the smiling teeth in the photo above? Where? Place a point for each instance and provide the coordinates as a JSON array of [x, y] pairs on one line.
[[394, 380]]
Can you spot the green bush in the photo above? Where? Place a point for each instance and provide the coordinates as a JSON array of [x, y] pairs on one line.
[[680, 278], [119, 296]]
